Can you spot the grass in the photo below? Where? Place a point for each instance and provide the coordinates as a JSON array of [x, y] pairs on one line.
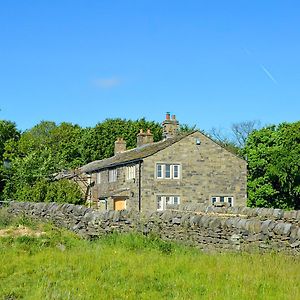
[[59, 265]]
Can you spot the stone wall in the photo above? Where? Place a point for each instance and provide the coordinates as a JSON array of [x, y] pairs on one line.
[[242, 229]]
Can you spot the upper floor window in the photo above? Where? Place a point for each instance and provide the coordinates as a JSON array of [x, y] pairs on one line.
[[168, 171], [130, 172], [112, 175], [216, 200], [98, 178]]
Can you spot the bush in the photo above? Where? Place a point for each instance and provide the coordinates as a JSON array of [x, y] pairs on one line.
[[63, 191]]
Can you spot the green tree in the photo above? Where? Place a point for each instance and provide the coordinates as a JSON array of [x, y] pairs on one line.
[[273, 155], [8, 133], [98, 142]]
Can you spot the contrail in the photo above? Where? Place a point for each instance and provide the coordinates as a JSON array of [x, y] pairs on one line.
[[268, 73], [256, 61]]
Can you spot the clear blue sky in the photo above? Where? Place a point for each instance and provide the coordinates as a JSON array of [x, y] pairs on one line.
[[211, 63]]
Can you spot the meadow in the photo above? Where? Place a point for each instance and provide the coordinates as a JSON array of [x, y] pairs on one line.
[[40, 261]]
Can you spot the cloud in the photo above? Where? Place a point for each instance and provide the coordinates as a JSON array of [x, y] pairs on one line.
[[107, 83]]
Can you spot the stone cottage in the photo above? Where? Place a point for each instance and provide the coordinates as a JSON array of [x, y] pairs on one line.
[[180, 169]]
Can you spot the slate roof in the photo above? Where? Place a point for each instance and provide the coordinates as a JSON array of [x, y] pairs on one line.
[[125, 157], [132, 155]]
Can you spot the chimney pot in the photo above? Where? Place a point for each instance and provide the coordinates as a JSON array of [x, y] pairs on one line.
[[120, 145], [144, 138], [170, 127]]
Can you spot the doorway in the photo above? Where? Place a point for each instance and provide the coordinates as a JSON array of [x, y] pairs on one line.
[[119, 204]]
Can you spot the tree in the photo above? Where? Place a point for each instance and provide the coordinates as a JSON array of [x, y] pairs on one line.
[[39, 153], [234, 140], [98, 142], [8, 133], [242, 130], [273, 155]]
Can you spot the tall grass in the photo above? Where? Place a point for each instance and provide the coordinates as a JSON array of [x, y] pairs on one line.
[[59, 265]]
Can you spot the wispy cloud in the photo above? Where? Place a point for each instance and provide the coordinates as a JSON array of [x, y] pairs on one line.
[[107, 83], [267, 72]]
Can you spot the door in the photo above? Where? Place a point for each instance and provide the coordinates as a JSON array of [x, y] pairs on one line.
[[119, 204]]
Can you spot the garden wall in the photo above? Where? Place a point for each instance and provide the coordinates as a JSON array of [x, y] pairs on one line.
[[210, 229]]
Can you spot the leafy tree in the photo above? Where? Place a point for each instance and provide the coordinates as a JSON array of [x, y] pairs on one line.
[[43, 190], [273, 155], [39, 153], [8, 133], [185, 128], [98, 142], [47, 148]]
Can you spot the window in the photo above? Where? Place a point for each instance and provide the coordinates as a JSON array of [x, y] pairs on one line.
[[163, 201], [159, 173], [98, 178], [215, 200], [112, 175], [176, 171], [130, 172], [168, 171]]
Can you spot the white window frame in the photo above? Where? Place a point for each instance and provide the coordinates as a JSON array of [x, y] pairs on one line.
[[130, 172], [164, 169], [178, 171], [163, 200], [112, 175], [222, 199], [159, 171]]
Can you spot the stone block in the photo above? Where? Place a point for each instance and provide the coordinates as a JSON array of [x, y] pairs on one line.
[[278, 213]]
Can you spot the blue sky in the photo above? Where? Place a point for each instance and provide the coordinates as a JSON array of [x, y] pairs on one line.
[[212, 63]]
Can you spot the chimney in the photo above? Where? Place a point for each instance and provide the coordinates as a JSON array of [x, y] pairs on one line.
[[170, 126], [120, 146], [144, 138]]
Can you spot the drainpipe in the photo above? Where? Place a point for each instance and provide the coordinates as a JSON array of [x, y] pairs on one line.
[[140, 185]]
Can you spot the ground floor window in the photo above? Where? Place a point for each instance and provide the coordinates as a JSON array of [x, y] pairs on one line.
[[119, 203], [217, 200], [163, 201], [102, 203]]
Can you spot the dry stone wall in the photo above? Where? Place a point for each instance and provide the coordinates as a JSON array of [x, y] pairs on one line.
[[210, 229]]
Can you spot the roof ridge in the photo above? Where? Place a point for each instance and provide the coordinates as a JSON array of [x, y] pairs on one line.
[[134, 154]]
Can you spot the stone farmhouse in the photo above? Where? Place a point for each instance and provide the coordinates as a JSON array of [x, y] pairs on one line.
[[180, 169]]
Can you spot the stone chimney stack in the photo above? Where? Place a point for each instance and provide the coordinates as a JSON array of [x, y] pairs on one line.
[[170, 126], [120, 146], [144, 138]]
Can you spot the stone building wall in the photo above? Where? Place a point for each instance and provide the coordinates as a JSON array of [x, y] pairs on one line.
[[209, 231], [207, 170], [129, 189]]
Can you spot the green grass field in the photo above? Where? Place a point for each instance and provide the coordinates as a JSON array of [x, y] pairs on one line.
[[59, 265]]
